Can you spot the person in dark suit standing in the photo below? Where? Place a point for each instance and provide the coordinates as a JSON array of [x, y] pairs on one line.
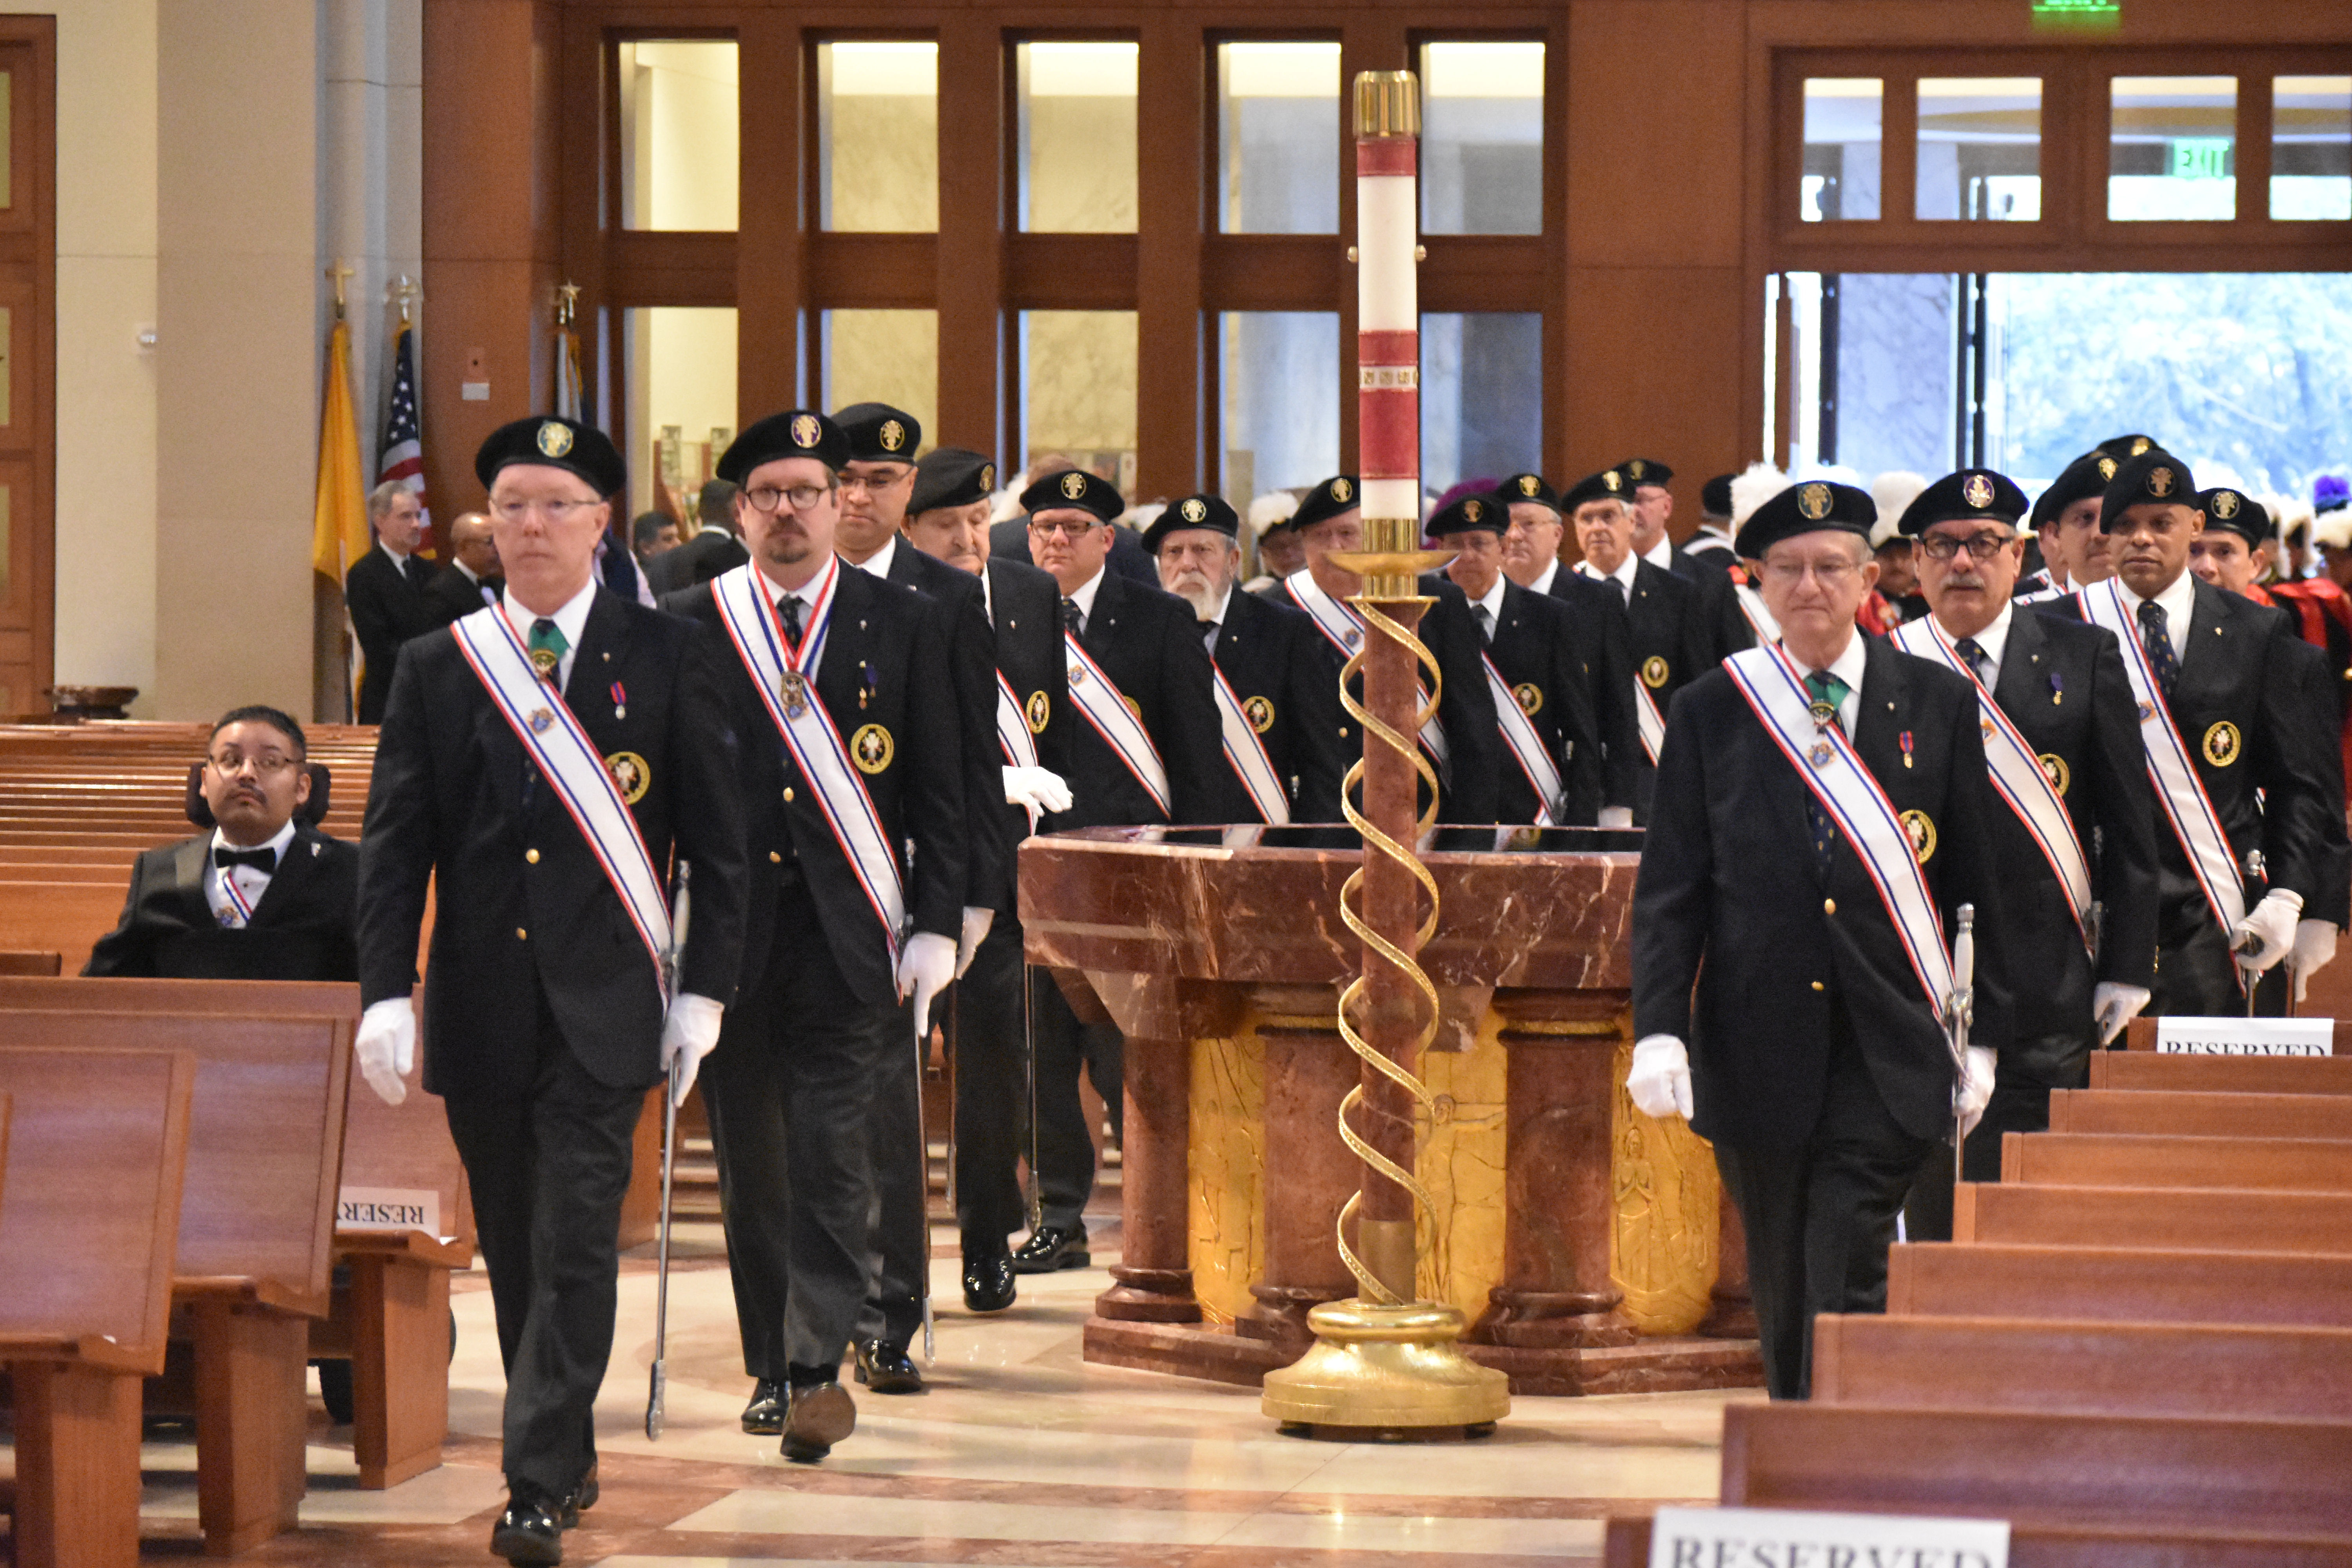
[[1822, 811], [264, 895], [470, 580], [2075, 837], [1010, 539], [1278, 706], [713, 549], [384, 592], [541, 764], [1721, 627], [1597, 628], [840, 684], [1666, 640]]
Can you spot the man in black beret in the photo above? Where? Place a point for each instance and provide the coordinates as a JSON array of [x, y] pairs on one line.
[[2234, 550], [1597, 627], [1822, 811], [1666, 636], [2076, 832], [542, 762], [2066, 519], [1011, 537], [1720, 627], [2241, 835]]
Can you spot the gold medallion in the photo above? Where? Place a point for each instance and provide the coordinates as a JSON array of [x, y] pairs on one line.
[[1638, 470], [1530, 698], [2159, 481], [1654, 672], [544, 661], [892, 434], [1976, 490], [1473, 509], [1611, 482], [1528, 484], [1077, 675], [540, 720], [2225, 504], [1038, 709], [1194, 509], [2055, 767], [554, 439], [795, 694], [1074, 486], [1259, 712], [988, 476], [2106, 468], [871, 749], [2222, 744], [1813, 502], [1922, 834], [1134, 707], [2139, 443], [807, 431], [630, 774], [1342, 492]]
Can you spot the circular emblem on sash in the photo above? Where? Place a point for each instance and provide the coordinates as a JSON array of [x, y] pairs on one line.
[[2225, 504], [2159, 481], [554, 439], [1528, 484], [1637, 469], [1342, 492], [1194, 509], [871, 749], [1077, 675], [806, 431], [1134, 707], [988, 476], [1074, 486], [1922, 834], [2055, 766], [892, 434], [1654, 672], [1355, 636], [1260, 714], [1813, 502], [1037, 711], [1530, 698], [1976, 490], [2106, 468], [2222, 744], [1820, 754], [540, 719], [630, 774]]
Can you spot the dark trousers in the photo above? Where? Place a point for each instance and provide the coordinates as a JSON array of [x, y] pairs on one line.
[[1820, 1214], [991, 1049], [899, 1257], [2195, 975], [790, 1092], [547, 1170], [1065, 1147]]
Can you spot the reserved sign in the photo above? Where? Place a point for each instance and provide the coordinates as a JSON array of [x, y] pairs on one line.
[[2246, 1037], [1793, 1538], [388, 1208]]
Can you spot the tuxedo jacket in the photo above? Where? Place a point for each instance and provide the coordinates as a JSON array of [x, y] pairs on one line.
[[707, 554], [1271, 656], [1666, 647], [302, 930], [1723, 630], [522, 910], [388, 609], [1535, 651], [1742, 948], [886, 663], [1597, 624], [971, 661], [1149, 643], [453, 596], [1024, 606]]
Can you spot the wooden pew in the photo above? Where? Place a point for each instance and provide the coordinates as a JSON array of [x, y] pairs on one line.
[[265, 1144], [21, 961], [2222, 1075], [1625, 1543], [2009, 1280], [96, 1148], [2190, 1218], [2174, 1113], [2134, 1160]]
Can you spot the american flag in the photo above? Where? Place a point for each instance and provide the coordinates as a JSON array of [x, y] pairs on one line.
[[403, 443]]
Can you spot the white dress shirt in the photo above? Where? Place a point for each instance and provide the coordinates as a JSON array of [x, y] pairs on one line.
[[1994, 640], [1847, 666], [1084, 596], [1215, 624], [2180, 603], [571, 620], [1542, 584], [1662, 555], [806, 594], [1622, 577], [251, 881], [878, 563], [1493, 605]]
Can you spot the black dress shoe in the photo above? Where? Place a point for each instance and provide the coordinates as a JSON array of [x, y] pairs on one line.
[[816, 1417], [887, 1368], [530, 1530], [583, 1496], [764, 1416], [988, 1283], [1051, 1248]]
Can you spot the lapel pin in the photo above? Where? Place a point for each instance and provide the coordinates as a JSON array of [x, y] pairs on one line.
[[620, 700], [1905, 741], [2057, 690]]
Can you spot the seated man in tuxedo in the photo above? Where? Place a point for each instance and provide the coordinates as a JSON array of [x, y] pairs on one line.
[[264, 895]]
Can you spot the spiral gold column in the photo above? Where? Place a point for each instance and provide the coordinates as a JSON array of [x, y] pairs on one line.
[[1384, 1363]]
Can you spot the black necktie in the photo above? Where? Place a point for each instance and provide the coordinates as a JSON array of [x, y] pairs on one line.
[[1071, 616], [1972, 654], [262, 859], [1486, 621], [419, 573], [2155, 636], [789, 608]]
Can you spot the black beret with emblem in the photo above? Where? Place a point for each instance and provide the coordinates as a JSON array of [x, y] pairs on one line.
[[1606, 485], [2122, 447], [1529, 487], [2235, 512], [950, 476], [1645, 471], [1715, 495], [552, 441], [1326, 500], [794, 433], [1813, 507], [879, 434], [1074, 489], [2084, 479], [1193, 512], [1472, 514], [2154, 477], [1963, 496]]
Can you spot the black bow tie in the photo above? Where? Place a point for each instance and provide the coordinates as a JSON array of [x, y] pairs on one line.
[[262, 859]]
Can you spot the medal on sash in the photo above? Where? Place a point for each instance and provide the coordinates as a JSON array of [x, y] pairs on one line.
[[1013, 736], [1106, 710], [1345, 631], [1245, 753], [240, 912], [1526, 746]]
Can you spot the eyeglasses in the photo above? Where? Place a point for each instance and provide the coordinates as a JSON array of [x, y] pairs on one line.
[[1829, 574], [266, 765], [1061, 526], [556, 511], [768, 498], [866, 484], [1982, 547]]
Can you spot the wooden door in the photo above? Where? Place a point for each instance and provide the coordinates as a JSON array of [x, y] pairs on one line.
[[28, 361]]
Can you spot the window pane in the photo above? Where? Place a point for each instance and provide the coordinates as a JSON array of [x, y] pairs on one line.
[[1281, 380], [1481, 396], [679, 137], [2172, 149], [1482, 137], [1841, 137], [1981, 148], [877, 137], [681, 402], [1077, 137], [2311, 147], [1278, 122], [1078, 388], [884, 356]]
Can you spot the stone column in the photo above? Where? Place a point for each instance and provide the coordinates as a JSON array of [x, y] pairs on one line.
[[1731, 1313], [1310, 1175]]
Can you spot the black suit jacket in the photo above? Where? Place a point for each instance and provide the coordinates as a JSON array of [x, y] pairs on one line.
[[1025, 606], [972, 657], [1540, 658], [388, 609], [1271, 654], [453, 596], [698, 561], [1736, 950], [1149, 643], [885, 662], [1603, 642], [1723, 630], [301, 929], [2321, 687], [1666, 649], [455, 799], [1009, 541]]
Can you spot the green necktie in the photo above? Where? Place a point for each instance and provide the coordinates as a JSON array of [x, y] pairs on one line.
[[548, 646], [1827, 687]]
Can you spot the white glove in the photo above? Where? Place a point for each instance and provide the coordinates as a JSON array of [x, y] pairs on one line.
[[690, 1034], [1976, 1087], [2315, 946], [1039, 789], [926, 968], [2271, 922], [1616, 817], [976, 922], [2114, 1006], [386, 1047], [1659, 1080]]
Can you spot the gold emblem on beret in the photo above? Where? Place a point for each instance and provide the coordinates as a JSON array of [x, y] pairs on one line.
[[2222, 744], [1472, 510], [1194, 509], [1637, 469], [988, 476], [1259, 712], [1813, 502], [554, 439], [1655, 671], [2056, 766], [2159, 481], [871, 749], [1530, 698], [1529, 484], [1037, 711], [2225, 505], [1922, 834], [806, 431], [1074, 485], [1611, 482], [1342, 492], [2106, 468], [1976, 490], [2139, 443], [630, 774], [892, 434]]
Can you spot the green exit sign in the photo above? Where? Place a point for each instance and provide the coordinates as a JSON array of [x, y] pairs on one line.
[[2099, 15], [2199, 158]]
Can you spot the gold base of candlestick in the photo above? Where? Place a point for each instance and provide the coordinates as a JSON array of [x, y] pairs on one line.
[[1389, 1373]]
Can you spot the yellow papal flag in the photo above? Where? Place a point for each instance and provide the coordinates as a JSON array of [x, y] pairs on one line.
[[338, 528]]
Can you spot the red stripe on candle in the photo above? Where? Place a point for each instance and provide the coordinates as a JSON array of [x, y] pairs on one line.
[[1388, 348], [1389, 433], [1388, 155]]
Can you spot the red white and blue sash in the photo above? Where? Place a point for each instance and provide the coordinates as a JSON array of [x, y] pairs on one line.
[[1648, 722], [1846, 789], [1100, 703], [1526, 747], [2039, 595], [1245, 755], [789, 693], [1012, 734], [2185, 804], [1345, 630], [534, 710], [239, 913], [2016, 772], [1759, 619]]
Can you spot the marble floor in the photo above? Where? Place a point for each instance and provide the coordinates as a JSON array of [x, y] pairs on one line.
[[1020, 1453]]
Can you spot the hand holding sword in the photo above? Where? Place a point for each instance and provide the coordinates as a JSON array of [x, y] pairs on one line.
[[686, 1041], [1972, 1065]]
